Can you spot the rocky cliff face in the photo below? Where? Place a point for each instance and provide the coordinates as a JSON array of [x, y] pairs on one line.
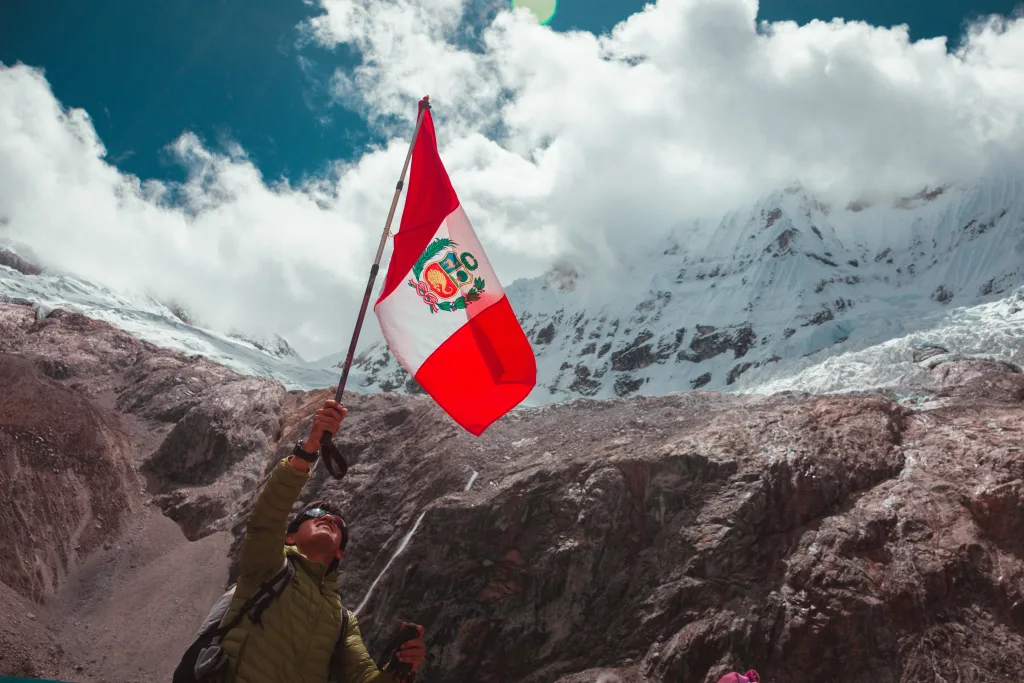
[[850, 538], [864, 537]]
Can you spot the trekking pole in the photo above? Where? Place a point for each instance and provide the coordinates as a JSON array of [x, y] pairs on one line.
[[328, 451]]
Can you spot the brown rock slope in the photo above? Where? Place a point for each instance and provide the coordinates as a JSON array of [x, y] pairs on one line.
[[674, 539], [843, 538], [67, 466], [79, 419]]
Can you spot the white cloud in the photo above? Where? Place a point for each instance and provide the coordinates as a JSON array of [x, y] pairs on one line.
[[558, 144], [688, 107], [234, 251]]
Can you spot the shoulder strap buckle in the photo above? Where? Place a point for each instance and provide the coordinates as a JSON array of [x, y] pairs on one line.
[[260, 599]]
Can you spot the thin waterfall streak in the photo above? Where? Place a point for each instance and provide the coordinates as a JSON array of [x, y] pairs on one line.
[[398, 551], [472, 479]]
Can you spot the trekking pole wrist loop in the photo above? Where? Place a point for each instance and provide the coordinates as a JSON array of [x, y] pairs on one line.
[[300, 452]]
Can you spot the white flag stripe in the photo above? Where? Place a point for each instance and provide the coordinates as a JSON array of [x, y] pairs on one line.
[[461, 232], [412, 332]]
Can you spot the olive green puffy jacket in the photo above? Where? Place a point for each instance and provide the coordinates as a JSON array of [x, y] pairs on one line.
[[295, 639]]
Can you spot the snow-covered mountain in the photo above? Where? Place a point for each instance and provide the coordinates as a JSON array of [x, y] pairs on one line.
[[771, 291], [160, 324], [791, 293], [275, 345]]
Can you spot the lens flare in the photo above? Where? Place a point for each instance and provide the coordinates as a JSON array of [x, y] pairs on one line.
[[544, 10]]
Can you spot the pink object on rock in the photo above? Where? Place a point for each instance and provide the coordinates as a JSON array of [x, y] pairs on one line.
[[749, 677]]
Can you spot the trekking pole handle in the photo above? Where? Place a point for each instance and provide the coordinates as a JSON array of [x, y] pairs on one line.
[[395, 665]]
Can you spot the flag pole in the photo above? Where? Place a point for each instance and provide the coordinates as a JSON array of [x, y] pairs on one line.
[[328, 451]]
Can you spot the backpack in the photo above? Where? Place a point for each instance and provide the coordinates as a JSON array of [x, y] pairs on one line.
[[205, 660]]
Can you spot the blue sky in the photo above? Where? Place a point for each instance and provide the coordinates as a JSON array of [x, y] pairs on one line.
[[230, 69]]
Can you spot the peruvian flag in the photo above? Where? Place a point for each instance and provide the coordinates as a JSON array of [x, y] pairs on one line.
[[443, 311]]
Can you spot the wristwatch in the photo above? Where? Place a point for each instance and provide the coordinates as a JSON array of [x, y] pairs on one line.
[[299, 452]]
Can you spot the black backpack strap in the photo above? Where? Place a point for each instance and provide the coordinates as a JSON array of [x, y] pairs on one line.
[[205, 658], [339, 648], [278, 583], [259, 600]]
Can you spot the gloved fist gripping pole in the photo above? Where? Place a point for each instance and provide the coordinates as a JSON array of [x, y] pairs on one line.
[[332, 457]]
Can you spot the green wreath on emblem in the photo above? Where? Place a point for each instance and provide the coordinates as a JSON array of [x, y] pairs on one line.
[[463, 301], [432, 250]]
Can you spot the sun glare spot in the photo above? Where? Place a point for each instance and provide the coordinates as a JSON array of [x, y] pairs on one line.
[[544, 10]]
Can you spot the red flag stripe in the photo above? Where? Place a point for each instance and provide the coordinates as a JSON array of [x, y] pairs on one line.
[[431, 194], [482, 371]]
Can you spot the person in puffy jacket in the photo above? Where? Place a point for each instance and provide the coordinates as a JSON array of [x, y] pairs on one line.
[[295, 639], [749, 677]]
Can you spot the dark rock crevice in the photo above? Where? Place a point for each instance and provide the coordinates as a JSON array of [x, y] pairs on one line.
[[739, 340], [11, 260]]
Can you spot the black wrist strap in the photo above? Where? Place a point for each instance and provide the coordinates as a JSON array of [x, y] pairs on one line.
[[298, 452]]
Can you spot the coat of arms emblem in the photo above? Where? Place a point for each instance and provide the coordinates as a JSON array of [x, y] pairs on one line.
[[444, 278]]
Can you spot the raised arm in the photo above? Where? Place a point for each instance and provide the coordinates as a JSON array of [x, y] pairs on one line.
[[263, 546], [262, 551]]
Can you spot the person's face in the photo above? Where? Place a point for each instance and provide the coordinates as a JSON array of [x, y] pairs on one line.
[[319, 535]]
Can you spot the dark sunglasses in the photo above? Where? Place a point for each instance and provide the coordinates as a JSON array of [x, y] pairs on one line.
[[317, 513]]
